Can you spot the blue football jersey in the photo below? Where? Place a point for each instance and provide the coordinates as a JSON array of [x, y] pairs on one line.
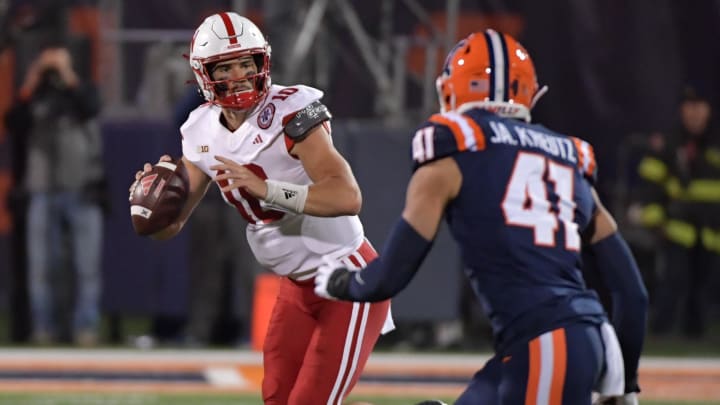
[[525, 198]]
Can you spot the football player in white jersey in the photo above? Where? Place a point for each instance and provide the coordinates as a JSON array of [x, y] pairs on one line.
[[269, 149]]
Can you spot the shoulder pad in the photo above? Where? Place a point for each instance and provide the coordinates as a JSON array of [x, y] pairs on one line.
[[314, 114], [586, 159], [444, 135]]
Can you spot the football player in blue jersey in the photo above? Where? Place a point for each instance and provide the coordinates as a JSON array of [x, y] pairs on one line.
[[520, 202]]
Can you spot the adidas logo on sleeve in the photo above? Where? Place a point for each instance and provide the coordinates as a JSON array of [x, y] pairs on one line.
[[289, 194]]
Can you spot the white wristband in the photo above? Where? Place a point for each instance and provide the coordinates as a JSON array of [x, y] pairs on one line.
[[287, 195]]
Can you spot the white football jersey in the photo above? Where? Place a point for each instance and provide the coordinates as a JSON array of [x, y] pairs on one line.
[[282, 241]]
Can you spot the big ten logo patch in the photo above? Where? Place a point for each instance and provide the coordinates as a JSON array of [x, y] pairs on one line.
[[5, 217]]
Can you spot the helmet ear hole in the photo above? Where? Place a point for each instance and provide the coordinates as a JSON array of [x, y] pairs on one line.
[[259, 61], [209, 67]]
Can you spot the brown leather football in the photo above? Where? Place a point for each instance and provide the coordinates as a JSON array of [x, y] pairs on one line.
[[158, 197]]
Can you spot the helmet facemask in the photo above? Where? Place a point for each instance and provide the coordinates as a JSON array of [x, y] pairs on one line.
[[223, 37], [240, 93]]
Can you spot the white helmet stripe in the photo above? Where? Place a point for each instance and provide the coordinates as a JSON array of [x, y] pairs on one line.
[[495, 45]]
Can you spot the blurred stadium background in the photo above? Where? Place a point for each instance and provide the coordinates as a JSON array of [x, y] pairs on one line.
[[616, 71]]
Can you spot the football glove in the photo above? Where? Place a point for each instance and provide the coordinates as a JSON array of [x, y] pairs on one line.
[[627, 399], [332, 280]]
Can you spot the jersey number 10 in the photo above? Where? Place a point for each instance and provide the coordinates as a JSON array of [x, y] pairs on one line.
[[248, 206], [526, 202]]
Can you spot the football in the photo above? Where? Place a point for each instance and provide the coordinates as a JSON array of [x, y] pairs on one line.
[[158, 197]]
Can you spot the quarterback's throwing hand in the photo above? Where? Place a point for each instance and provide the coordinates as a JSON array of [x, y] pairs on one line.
[[331, 280], [233, 175], [147, 167]]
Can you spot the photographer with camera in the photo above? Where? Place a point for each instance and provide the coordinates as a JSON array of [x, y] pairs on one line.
[[65, 185]]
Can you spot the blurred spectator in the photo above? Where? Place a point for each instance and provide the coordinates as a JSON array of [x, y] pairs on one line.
[[680, 199], [222, 267], [65, 182]]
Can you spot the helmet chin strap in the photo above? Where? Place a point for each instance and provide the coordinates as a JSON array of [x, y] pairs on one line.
[[241, 100], [244, 100], [504, 109]]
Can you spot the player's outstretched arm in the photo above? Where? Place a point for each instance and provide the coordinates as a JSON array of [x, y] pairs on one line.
[[629, 297], [430, 189]]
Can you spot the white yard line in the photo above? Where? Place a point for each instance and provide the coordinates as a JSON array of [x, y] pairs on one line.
[[378, 359]]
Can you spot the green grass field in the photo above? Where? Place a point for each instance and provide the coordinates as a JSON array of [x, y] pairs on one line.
[[224, 399]]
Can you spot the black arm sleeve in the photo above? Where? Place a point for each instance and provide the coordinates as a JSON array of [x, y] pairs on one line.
[[306, 119], [402, 255], [629, 300]]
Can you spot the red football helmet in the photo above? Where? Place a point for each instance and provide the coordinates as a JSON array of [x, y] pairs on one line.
[[226, 36], [490, 70]]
